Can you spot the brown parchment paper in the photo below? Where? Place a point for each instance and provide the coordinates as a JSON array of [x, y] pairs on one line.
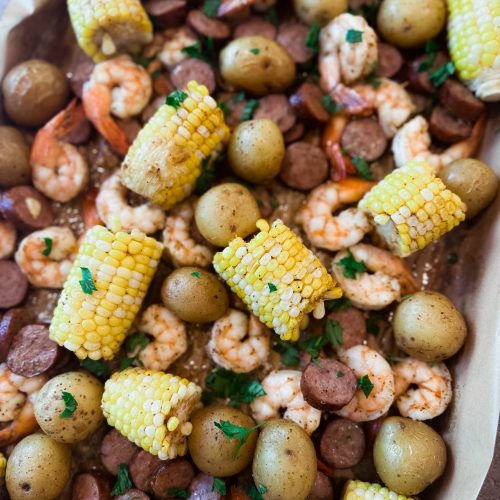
[[40, 28]]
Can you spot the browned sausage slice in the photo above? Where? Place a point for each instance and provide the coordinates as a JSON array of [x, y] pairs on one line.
[[277, 108], [353, 324], [176, 473], [13, 284], [364, 138], [208, 26], [167, 12], [342, 444], [91, 486], [295, 133], [460, 101], [292, 35], [133, 494], [390, 60], [255, 26], [115, 450], [322, 488], [142, 468], [305, 166], [202, 488], [446, 127], [193, 69], [12, 321], [307, 101], [234, 104], [32, 352], [419, 80], [26, 208], [328, 385]]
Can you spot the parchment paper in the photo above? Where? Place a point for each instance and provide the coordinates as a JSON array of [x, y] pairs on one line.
[[40, 28]]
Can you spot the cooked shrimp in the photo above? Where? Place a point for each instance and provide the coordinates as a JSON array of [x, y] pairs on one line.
[[58, 169], [368, 362], [116, 87], [7, 239], [393, 104], [17, 396], [238, 343], [433, 393], [112, 206], [335, 232], [51, 270], [341, 61], [283, 391], [169, 337], [391, 279], [176, 39], [231, 7], [180, 246], [412, 142]]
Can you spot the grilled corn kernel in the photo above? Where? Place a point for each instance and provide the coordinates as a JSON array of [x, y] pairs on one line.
[[359, 490], [3, 465]]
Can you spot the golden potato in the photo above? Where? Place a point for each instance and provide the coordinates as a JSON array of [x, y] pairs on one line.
[[319, 11], [14, 158]]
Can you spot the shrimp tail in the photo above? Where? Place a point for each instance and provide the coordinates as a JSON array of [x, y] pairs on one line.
[[353, 102], [24, 424], [89, 210]]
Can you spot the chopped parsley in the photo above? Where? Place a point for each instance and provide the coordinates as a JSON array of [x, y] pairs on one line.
[[312, 38], [176, 98], [249, 109], [373, 78], [206, 177], [353, 36], [273, 202], [369, 11], [330, 105], [271, 16], [143, 61], [196, 274], [393, 358], [48, 247], [372, 322], [351, 266], [366, 385], [203, 50], [430, 56], [254, 492], [333, 336], [334, 333], [123, 482], [225, 109], [261, 488], [452, 258], [440, 75], [219, 485], [338, 304], [272, 287], [134, 344], [239, 97], [232, 431], [70, 405], [87, 284], [98, 368], [177, 492], [210, 7], [362, 168], [340, 374], [255, 51], [289, 351]]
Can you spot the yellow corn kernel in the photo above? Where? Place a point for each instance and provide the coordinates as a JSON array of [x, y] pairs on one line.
[[359, 490]]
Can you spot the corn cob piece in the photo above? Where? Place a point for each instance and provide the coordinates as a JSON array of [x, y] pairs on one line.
[[164, 161], [104, 28], [152, 409], [359, 490], [411, 207], [277, 277], [103, 291], [474, 43], [3, 465]]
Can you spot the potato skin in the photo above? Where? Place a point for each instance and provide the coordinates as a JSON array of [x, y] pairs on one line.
[[408, 455], [409, 24], [33, 92], [211, 451], [38, 468], [256, 150], [194, 294], [226, 211], [429, 327], [473, 181], [14, 158], [319, 11], [87, 390], [284, 461], [270, 70]]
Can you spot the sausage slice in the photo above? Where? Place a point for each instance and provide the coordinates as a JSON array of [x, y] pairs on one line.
[[167, 13], [307, 101], [176, 473], [13, 284], [208, 26], [295, 133], [91, 486], [12, 321], [292, 35], [276, 107], [322, 488], [364, 138], [255, 26], [458, 100], [193, 69], [390, 60], [353, 324], [446, 127], [202, 488], [115, 450], [142, 468]]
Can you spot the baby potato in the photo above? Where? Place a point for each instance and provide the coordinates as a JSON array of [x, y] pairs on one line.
[[408, 455], [226, 211], [284, 461], [86, 390], [473, 181], [319, 11], [38, 468], [409, 24], [257, 65], [14, 158], [211, 451], [194, 294], [256, 150], [429, 327]]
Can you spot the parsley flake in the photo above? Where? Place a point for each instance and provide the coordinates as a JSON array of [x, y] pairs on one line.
[[219, 485], [430, 58], [353, 36], [289, 351], [252, 492], [176, 98], [70, 405], [440, 75], [225, 108], [313, 345], [261, 488], [232, 431], [98, 368], [239, 97], [206, 177], [249, 109], [87, 284], [143, 61], [338, 304], [352, 266], [366, 385], [393, 358], [196, 274], [372, 322], [369, 11], [362, 168], [334, 333], [48, 247], [312, 38], [330, 105], [271, 15], [210, 7], [203, 50], [272, 287], [123, 482], [134, 344], [177, 492], [255, 51], [340, 374]]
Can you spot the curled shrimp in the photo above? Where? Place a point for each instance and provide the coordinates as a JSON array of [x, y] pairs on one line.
[[176, 39], [112, 205], [239, 343], [117, 87], [46, 256], [230, 7], [391, 279], [8, 237], [341, 61], [412, 142], [393, 104], [366, 362], [283, 391], [433, 393], [17, 396], [180, 246], [169, 337], [325, 230], [58, 169]]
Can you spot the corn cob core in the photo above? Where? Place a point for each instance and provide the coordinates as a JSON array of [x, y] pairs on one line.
[[122, 266], [3, 465], [474, 43], [151, 409], [105, 27], [277, 277], [164, 161], [411, 207], [359, 490]]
